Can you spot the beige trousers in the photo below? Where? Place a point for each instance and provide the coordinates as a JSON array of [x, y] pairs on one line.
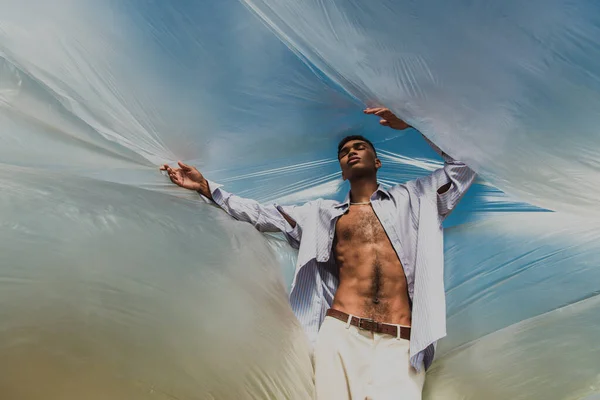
[[355, 364]]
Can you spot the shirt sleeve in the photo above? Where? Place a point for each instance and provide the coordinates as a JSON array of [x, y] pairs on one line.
[[264, 217], [449, 183]]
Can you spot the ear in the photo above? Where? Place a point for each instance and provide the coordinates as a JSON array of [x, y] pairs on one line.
[[377, 163], [343, 176]]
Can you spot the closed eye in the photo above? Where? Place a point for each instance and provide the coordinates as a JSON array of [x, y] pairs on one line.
[[357, 146]]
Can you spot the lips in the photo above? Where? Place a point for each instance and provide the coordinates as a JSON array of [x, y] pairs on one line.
[[353, 160]]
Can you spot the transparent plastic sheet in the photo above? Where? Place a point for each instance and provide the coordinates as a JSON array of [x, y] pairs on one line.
[[553, 356], [107, 90], [108, 291], [522, 305], [513, 267], [511, 88], [113, 290], [161, 83], [104, 91]]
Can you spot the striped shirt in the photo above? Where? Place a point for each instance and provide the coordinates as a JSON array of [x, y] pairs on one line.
[[411, 214]]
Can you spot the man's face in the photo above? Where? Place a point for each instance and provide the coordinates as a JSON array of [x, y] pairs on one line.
[[357, 159]]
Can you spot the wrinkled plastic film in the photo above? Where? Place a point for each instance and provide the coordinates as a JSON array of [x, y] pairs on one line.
[[521, 293], [125, 292], [555, 355], [91, 296], [512, 89], [122, 285], [515, 266]]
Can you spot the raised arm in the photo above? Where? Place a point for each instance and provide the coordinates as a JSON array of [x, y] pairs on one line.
[[265, 218], [449, 183]]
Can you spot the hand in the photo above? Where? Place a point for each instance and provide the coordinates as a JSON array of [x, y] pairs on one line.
[[187, 177], [388, 118]]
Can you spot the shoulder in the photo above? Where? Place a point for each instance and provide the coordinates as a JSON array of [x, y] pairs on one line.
[[406, 196], [310, 207], [327, 203], [320, 202], [402, 189], [319, 206]]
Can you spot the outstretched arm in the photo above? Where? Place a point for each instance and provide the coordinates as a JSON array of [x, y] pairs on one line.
[[265, 218], [450, 182]]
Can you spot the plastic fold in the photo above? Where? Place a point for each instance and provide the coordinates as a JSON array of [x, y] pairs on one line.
[[116, 284]]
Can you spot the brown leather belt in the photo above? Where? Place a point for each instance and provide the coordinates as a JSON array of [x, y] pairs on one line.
[[370, 325]]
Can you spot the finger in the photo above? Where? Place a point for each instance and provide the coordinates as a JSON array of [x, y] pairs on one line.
[[184, 166], [384, 122], [174, 178], [372, 110], [385, 113], [164, 167]]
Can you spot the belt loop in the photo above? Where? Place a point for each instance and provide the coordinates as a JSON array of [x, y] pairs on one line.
[[398, 332], [349, 321]]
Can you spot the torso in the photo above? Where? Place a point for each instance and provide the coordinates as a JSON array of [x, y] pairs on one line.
[[372, 281]]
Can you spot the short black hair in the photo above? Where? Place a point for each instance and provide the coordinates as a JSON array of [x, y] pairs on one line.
[[355, 137]]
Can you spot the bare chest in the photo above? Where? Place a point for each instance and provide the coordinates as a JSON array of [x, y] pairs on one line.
[[360, 225]]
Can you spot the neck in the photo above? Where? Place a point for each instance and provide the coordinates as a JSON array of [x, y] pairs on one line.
[[361, 189]]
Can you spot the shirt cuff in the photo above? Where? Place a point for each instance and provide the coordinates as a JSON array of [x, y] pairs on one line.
[[215, 191], [293, 232], [447, 200]]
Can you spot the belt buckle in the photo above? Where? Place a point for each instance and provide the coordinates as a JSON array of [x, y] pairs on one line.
[[374, 324]]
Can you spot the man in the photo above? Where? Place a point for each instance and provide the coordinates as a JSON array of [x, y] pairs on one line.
[[368, 287]]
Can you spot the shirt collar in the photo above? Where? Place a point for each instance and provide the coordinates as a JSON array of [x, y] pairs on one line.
[[381, 191]]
